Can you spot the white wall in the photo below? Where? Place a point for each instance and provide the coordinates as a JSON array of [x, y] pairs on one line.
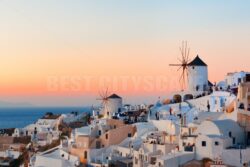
[[47, 161], [232, 79], [219, 96], [167, 126], [113, 106], [197, 76], [222, 128], [210, 150], [176, 160], [208, 128], [124, 150], [232, 157]]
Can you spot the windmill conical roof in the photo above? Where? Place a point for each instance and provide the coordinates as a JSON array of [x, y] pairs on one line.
[[114, 96], [197, 62]]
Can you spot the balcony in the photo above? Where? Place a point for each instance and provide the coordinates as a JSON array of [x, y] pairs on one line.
[[189, 135]]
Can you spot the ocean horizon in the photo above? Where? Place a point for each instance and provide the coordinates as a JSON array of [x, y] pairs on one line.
[[19, 117]]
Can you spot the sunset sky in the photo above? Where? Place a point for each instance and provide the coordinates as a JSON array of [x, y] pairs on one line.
[[49, 48]]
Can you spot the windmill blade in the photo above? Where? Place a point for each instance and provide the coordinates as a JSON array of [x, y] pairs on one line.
[[175, 64], [105, 102], [105, 105], [179, 59], [183, 80], [187, 75], [180, 79], [107, 108], [185, 49], [179, 68], [183, 72], [181, 50], [102, 104], [101, 94], [185, 67], [184, 60], [188, 55], [106, 93]]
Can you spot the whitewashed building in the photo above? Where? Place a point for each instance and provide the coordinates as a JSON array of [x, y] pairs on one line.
[[197, 75], [235, 78], [215, 136], [55, 157]]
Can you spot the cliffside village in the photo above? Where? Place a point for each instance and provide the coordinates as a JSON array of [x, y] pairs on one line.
[[207, 124]]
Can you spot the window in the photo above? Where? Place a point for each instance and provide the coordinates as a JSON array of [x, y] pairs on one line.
[[230, 134], [98, 144], [136, 161], [99, 132], [114, 126], [107, 136], [241, 106], [248, 138], [129, 135], [189, 131], [239, 81], [85, 155], [216, 143], [233, 140], [140, 157], [203, 144]]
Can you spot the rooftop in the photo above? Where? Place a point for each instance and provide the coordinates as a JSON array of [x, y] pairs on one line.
[[114, 96], [51, 117], [83, 131], [197, 62]]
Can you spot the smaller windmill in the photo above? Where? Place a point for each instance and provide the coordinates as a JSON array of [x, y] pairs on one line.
[[104, 98], [183, 64]]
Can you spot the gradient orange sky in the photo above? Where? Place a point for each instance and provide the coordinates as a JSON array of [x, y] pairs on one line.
[[43, 39]]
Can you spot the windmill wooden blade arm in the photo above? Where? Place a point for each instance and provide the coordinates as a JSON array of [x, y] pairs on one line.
[[175, 64], [179, 68]]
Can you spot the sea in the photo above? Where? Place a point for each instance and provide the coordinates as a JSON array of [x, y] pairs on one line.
[[21, 117]]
